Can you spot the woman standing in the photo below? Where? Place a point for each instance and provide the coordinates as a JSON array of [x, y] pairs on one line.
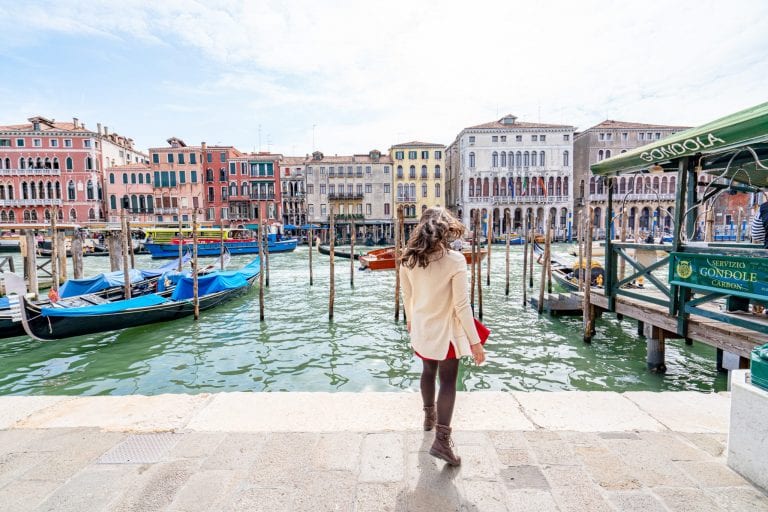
[[440, 319]]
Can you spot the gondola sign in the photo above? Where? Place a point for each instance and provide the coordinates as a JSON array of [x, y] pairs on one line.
[[747, 277]]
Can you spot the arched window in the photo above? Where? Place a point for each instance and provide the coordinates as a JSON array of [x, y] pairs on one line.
[[71, 191], [244, 189], [88, 163], [111, 178], [423, 190], [566, 159], [424, 172], [541, 159], [8, 162], [125, 178], [233, 189], [495, 159], [56, 162], [41, 190], [534, 159], [134, 202], [412, 172], [209, 175], [486, 187], [591, 185], [664, 185], [91, 214], [2, 191], [27, 217], [400, 191], [413, 191], [142, 203], [150, 204], [471, 187], [437, 172], [141, 178], [400, 171], [631, 185], [3, 216], [33, 214], [68, 163], [607, 153], [22, 165], [222, 174], [24, 190], [526, 159], [57, 188], [147, 179], [89, 190], [437, 190], [133, 178], [503, 159], [519, 159], [11, 216], [600, 155], [38, 163], [113, 202], [472, 159]]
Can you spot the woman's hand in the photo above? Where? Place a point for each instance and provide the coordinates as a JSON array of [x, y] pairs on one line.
[[478, 353]]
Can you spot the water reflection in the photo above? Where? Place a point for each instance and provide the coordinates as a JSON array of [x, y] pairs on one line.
[[362, 349]]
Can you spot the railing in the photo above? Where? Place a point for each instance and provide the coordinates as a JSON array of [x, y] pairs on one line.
[[618, 196], [30, 172], [30, 202], [262, 197], [406, 199], [519, 199], [349, 216], [166, 211], [344, 195]]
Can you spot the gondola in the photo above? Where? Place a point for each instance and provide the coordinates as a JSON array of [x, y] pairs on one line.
[[384, 259], [55, 322], [567, 274], [325, 249]]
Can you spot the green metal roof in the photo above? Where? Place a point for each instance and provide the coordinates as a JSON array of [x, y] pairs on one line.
[[749, 126]]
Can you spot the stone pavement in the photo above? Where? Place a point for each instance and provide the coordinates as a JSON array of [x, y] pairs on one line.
[[318, 451]]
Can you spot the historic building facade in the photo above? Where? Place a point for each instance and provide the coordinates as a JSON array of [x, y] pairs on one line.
[[359, 187], [508, 170], [294, 193], [46, 164], [648, 199], [250, 193], [177, 181], [130, 185], [418, 178]]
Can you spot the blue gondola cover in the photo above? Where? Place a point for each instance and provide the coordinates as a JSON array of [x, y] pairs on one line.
[[103, 309]]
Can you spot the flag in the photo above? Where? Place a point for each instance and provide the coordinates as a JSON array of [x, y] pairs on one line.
[[543, 186], [511, 188], [525, 185]]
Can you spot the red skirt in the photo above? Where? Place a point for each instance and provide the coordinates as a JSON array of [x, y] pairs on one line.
[[482, 331]]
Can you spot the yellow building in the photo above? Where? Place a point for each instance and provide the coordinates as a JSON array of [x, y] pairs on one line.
[[418, 179]]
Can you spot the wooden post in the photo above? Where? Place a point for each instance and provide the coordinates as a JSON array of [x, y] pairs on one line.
[[709, 233], [489, 243], [398, 255], [526, 232], [311, 250], [55, 252], [479, 273], [266, 254], [262, 250], [738, 224], [506, 284], [655, 344], [33, 284], [124, 245], [352, 255], [195, 266], [113, 242], [62, 242], [587, 313], [77, 256], [332, 284], [473, 258], [581, 239], [221, 244], [403, 242], [181, 241], [548, 241], [545, 258], [130, 241], [530, 256]]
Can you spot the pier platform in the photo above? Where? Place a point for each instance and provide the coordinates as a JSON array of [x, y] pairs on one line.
[[526, 451]]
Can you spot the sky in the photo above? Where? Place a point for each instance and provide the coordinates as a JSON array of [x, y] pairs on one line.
[[346, 77]]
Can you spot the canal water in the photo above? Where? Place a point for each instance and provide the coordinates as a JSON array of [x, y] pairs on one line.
[[363, 349]]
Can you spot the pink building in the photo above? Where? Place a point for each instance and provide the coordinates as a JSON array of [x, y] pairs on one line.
[[131, 184], [45, 163], [176, 181]]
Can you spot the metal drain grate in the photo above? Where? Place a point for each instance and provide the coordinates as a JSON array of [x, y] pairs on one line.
[[140, 449]]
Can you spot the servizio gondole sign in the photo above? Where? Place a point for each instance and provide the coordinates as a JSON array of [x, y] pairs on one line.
[[724, 274], [680, 148]]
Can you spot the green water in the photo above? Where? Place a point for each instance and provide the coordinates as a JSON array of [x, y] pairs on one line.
[[362, 349]]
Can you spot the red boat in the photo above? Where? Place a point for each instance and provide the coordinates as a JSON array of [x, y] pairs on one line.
[[384, 259]]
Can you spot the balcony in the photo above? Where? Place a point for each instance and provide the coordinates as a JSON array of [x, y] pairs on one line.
[[261, 197], [509, 200], [30, 202], [30, 172], [167, 211], [405, 199], [348, 216], [345, 196]]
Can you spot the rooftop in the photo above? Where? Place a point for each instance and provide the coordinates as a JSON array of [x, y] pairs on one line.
[[612, 124]]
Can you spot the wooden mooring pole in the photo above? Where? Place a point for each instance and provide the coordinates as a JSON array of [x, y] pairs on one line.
[[489, 243], [548, 250], [55, 252], [479, 273], [195, 266], [506, 281], [332, 284], [221, 245], [130, 241], [352, 255], [581, 238], [588, 319], [124, 245], [62, 240], [311, 250], [398, 255], [526, 233], [31, 260], [113, 243], [403, 243], [530, 259], [77, 255], [181, 243], [262, 250], [473, 258], [545, 259]]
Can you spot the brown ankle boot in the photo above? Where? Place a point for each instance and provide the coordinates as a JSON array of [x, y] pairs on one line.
[[430, 418], [442, 447]]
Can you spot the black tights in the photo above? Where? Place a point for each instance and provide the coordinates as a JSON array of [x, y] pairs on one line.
[[448, 371]]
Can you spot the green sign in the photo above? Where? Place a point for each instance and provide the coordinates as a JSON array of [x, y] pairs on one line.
[[747, 277]]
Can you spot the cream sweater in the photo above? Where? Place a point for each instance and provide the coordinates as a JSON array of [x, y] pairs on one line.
[[436, 300]]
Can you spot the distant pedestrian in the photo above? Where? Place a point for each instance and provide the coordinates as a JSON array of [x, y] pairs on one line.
[[440, 322], [759, 225]]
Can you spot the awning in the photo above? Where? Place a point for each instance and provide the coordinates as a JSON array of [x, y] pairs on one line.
[[749, 126], [310, 226], [289, 226]]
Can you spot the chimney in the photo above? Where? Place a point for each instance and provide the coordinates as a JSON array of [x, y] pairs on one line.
[[106, 130], [76, 122], [98, 128]]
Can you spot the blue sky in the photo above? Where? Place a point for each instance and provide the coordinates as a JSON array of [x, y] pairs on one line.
[[260, 75]]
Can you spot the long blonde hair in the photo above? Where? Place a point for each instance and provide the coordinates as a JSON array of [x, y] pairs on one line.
[[436, 229]]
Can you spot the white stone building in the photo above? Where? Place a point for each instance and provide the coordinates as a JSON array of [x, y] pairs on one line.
[[512, 169]]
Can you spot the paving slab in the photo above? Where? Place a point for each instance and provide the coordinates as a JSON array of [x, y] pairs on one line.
[[585, 411], [121, 413], [16, 408], [686, 411], [351, 412]]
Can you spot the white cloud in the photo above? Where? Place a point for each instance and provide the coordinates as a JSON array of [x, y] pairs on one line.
[[375, 73]]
